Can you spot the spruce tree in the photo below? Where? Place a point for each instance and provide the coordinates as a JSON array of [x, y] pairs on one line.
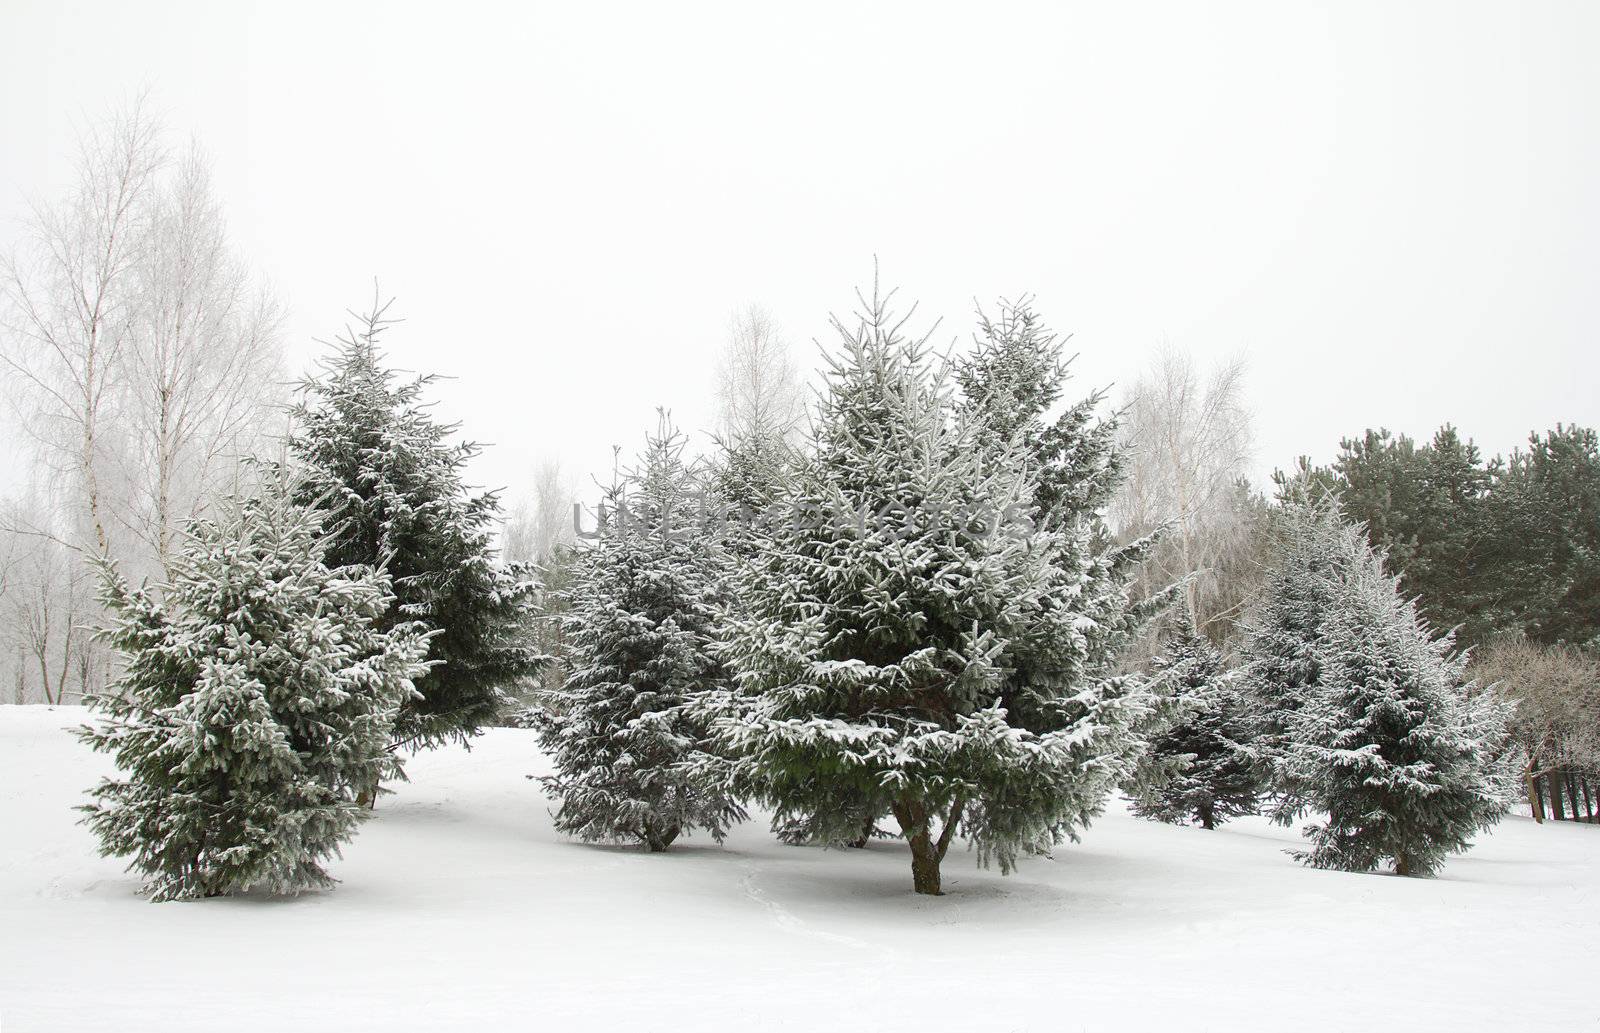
[[910, 642], [1282, 666], [1379, 732], [1011, 380], [626, 732], [747, 477], [1212, 773], [392, 484], [253, 710]]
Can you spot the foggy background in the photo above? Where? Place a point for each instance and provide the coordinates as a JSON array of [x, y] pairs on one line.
[[1389, 210]]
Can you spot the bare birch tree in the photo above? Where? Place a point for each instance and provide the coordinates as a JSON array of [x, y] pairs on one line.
[[541, 522], [141, 362], [1187, 437], [760, 393], [142, 359], [46, 607], [69, 301], [202, 370]]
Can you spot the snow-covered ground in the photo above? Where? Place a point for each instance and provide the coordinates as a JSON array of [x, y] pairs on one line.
[[461, 909]]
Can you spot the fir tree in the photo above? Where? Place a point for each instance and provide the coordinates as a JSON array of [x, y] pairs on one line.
[[1377, 729], [909, 643], [1282, 664], [625, 733], [391, 481], [748, 477], [1213, 776], [1011, 381], [253, 710]]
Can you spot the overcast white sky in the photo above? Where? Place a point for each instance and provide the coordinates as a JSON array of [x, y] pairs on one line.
[[1390, 209]]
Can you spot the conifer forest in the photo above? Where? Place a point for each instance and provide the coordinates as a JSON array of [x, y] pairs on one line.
[[519, 520]]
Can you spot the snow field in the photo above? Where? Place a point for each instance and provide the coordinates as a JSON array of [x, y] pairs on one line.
[[461, 909]]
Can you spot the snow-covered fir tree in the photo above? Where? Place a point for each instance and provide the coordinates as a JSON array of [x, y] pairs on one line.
[[254, 709], [1360, 713], [392, 483], [909, 644], [747, 477], [750, 480], [626, 733], [1391, 749], [1212, 776], [1012, 380], [1284, 628]]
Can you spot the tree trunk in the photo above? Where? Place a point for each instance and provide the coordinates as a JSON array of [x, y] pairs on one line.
[[867, 829], [912, 815], [926, 853], [1535, 801], [66, 664], [1552, 783], [657, 840], [924, 868], [91, 480], [1208, 816], [44, 677], [1402, 865]]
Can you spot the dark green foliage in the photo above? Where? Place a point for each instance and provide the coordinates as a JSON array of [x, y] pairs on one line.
[[1011, 381], [1213, 777], [254, 708], [1501, 546], [392, 484], [626, 732], [1372, 726], [913, 645], [1546, 526], [1427, 507]]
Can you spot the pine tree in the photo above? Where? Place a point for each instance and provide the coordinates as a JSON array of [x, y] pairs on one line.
[[909, 643], [254, 708], [1545, 527], [1378, 729], [392, 484], [625, 733], [1426, 507], [1213, 775]]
